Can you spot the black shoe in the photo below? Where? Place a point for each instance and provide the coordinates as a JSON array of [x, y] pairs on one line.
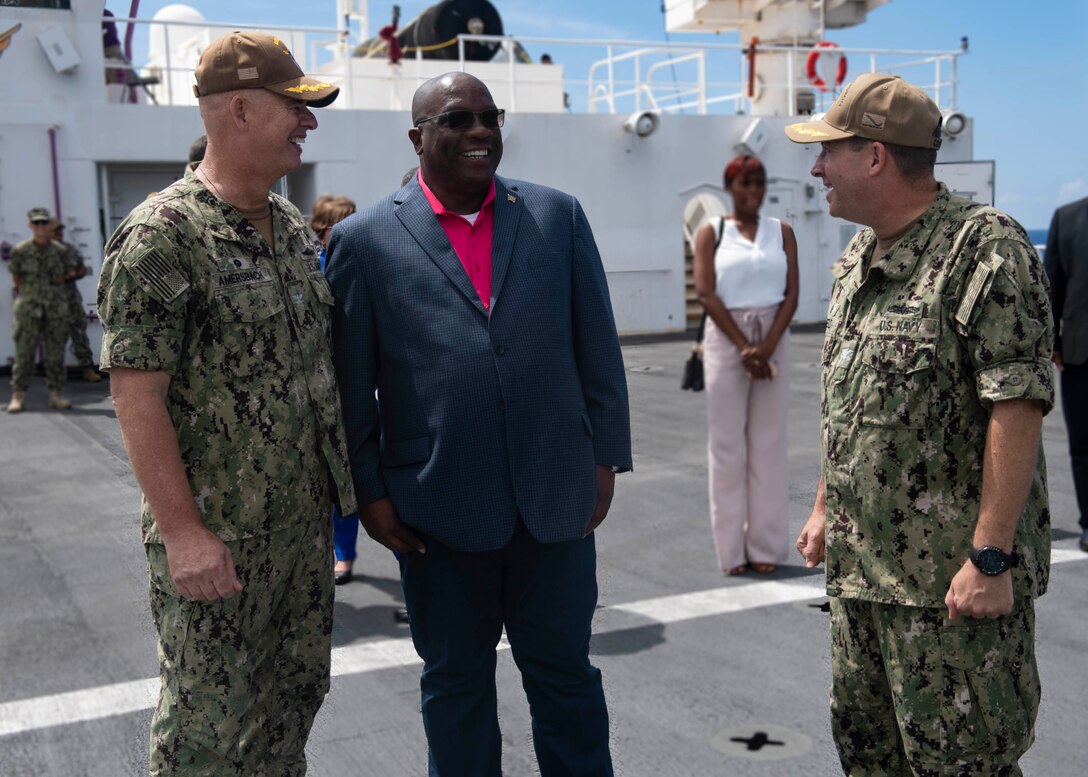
[[1084, 541], [339, 578], [400, 615]]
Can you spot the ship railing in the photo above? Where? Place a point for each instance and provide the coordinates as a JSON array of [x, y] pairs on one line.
[[620, 76], [673, 76], [169, 81]]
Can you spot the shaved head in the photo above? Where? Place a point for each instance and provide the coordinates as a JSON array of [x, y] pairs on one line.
[[434, 92]]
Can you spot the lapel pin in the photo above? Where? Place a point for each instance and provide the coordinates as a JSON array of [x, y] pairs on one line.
[[511, 198]]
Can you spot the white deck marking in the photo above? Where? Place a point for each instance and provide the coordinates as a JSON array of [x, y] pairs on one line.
[[1061, 555], [60, 709], [719, 601]]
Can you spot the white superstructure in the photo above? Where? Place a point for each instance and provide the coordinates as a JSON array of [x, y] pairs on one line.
[[69, 142]]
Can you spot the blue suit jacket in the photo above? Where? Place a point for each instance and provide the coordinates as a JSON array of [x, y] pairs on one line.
[[479, 418], [1066, 263]]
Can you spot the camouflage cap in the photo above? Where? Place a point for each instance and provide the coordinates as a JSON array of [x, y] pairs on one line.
[[39, 216], [880, 107], [250, 60]]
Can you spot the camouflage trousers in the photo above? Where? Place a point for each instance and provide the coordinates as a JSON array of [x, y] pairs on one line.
[[243, 678], [77, 329], [913, 693], [34, 318]]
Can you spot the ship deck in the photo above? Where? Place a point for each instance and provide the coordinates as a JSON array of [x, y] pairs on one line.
[[705, 675]]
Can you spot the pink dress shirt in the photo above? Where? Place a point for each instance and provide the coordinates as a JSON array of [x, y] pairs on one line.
[[471, 241]]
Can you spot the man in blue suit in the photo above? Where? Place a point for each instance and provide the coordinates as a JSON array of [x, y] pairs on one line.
[[1066, 264], [479, 309]]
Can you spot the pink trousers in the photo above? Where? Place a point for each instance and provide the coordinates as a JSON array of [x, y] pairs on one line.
[[746, 446]]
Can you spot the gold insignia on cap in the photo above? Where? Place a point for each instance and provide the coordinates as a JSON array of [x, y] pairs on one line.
[[247, 73], [308, 87], [812, 132]]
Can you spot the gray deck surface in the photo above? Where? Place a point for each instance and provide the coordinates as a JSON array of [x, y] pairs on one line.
[[680, 687]]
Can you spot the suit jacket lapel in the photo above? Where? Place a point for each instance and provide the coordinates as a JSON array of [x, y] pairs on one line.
[[507, 214], [416, 215]]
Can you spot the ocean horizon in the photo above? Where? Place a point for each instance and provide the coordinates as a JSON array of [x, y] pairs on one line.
[[1037, 236]]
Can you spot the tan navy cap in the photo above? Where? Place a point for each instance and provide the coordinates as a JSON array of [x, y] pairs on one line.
[[250, 60], [880, 107]]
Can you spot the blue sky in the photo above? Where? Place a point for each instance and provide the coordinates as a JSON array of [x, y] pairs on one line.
[[1021, 81]]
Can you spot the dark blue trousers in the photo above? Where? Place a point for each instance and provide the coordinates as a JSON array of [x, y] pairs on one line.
[[1074, 379], [458, 604]]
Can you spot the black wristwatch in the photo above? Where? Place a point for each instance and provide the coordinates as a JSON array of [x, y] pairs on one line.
[[993, 561]]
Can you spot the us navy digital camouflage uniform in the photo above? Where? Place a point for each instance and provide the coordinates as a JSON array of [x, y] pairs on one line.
[[190, 288], [41, 309], [920, 343], [77, 314]]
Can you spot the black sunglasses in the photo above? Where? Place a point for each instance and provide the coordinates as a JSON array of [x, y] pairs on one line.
[[492, 118]]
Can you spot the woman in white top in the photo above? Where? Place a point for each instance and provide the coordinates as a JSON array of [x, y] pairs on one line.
[[749, 289]]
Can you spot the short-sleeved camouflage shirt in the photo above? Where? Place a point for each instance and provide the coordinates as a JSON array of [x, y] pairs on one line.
[[190, 288], [41, 273], [920, 343]]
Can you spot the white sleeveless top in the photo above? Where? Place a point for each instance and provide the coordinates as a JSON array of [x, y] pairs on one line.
[[750, 273]]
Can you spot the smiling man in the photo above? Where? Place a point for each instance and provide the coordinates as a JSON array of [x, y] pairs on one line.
[[217, 327], [478, 308], [932, 500]]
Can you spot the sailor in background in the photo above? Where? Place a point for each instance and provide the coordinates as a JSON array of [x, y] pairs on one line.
[[933, 498], [1066, 265], [77, 314], [40, 268], [197, 149]]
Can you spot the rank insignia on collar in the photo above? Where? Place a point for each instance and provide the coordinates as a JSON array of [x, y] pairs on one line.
[[511, 198]]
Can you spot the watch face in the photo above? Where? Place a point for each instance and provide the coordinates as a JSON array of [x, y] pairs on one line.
[[990, 561]]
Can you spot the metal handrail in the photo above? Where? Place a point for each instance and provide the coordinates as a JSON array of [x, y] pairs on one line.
[[640, 50], [604, 86]]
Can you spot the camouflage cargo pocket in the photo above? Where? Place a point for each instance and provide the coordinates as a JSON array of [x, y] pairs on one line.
[[992, 692]]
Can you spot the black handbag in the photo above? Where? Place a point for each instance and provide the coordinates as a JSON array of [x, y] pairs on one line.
[[693, 367]]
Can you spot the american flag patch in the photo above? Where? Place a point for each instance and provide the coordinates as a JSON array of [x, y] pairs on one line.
[[247, 73], [158, 277]]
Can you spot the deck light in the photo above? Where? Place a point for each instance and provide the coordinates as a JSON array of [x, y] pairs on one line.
[[642, 123], [954, 123]]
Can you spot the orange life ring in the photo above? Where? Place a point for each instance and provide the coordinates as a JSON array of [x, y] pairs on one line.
[[813, 74]]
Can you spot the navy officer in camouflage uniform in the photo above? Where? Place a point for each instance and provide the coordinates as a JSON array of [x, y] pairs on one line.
[[77, 314], [39, 268], [217, 332], [933, 499]]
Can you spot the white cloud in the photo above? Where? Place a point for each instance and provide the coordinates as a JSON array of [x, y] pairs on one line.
[[1072, 190]]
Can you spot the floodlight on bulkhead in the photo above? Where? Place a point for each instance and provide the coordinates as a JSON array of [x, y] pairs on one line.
[[642, 123], [954, 123]]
